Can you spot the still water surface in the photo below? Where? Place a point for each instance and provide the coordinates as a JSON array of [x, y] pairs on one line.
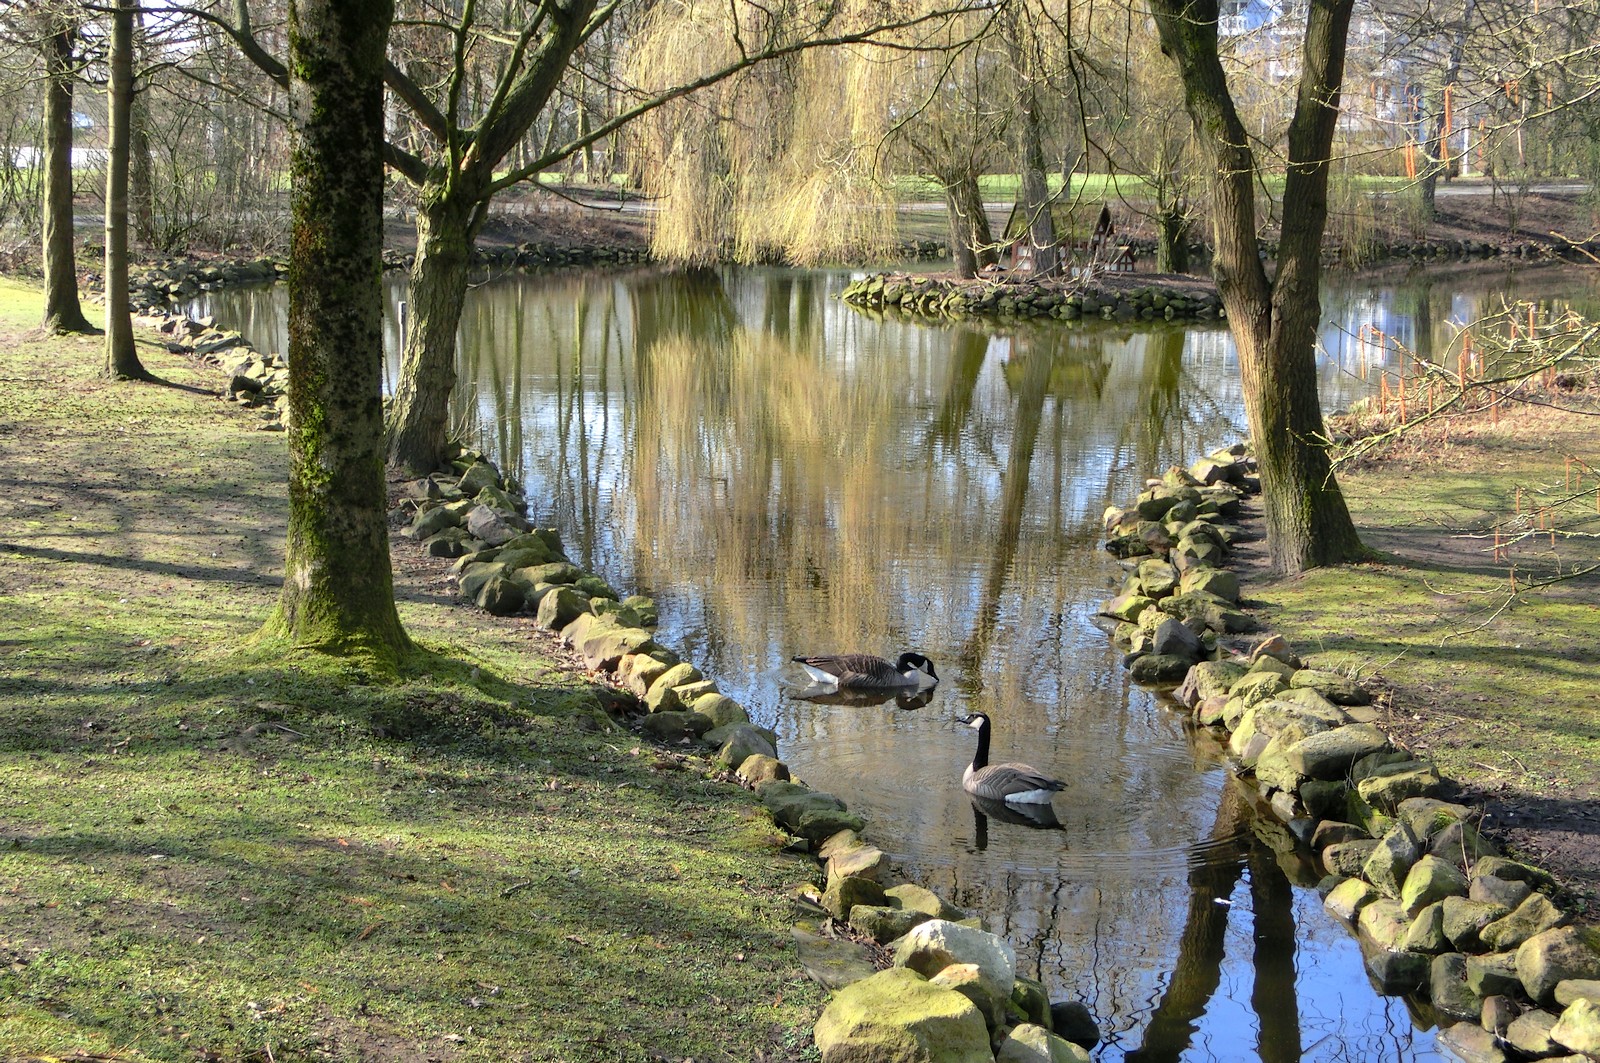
[[787, 475]]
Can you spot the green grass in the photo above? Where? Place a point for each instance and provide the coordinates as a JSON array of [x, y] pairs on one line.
[[1501, 687], [219, 849]]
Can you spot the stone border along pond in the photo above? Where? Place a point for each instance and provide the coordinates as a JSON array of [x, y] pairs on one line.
[[1438, 911], [1065, 301]]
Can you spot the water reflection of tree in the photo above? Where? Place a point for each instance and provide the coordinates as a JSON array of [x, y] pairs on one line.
[[1198, 970]]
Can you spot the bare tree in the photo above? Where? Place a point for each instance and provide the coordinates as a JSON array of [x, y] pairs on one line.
[[56, 27], [1273, 322]]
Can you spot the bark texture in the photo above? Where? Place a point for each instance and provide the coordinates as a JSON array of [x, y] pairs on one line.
[[62, 310], [971, 241], [338, 592], [1274, 323], [122, 359]]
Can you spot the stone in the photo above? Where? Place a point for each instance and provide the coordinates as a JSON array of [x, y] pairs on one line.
[[1383, 922], [844, 892], [1533, 916], [691, 692], [637, 671], [899, 1015], [1427, 816], [663, 693], [831, 962], [431, 522], [449, 543], [1336, 688], [1426, 933], [884, 923], [718, 735], [1324, 798], [1329, 754], [1369, 765], [500, 596], [558, 572], [1493, 974], [1206, 680], [1388, 864], [1464, 919], [1173, 639], [1529, 1034], [1346, 900], [603, 645], [745, 741], [1394, 972], [1331, 832], [917, 898], [1461, 843], [1447, 986], [1492, 889], [1430, 880], [970, 981], [1156, 578], [1276, 647], [474, 576], [1256, 687], [932, 946], [559, 607], [674, 726], [1347, 858], [1579, 1027], [479, 474], [1072, 1020], [1157, 669], [1512, 871], [720, 709], [493, 526], [757, 768], [1555, 956], [1032, 1000], [595, 587], [1127, 607], [1203, 579], [1471, 1043], [644, 608], [1397, 782], [1499, 1012], [1031, 1043], [1572, 989], [860, 860]]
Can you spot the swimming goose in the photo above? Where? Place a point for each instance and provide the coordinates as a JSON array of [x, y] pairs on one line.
[[862, 670], [1015, 784]]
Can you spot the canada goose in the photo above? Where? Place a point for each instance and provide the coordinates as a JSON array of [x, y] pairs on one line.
[[862, 670], [1015, 784]]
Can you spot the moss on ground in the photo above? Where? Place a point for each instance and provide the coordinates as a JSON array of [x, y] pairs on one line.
[[1499, 683], [213, 847]]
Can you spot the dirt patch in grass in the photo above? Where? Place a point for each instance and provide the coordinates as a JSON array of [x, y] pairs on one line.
[[215, 848], [1499, 682]]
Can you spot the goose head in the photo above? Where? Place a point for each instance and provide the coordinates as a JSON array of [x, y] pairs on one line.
[[911, 663]]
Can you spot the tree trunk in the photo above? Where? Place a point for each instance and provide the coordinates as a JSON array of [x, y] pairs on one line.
[[141, 165], [338, 593], [419, 416], [1436, 151], [1172, 238], [1274, 325], [1035, 188], [122, 359], [971, 244], [62, 311]]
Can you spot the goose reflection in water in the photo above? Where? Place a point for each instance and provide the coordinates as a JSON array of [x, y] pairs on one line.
[[903, 699], [1038, 817]]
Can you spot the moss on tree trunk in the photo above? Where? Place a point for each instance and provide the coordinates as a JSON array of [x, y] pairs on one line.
[[122, 358], [338, 593]]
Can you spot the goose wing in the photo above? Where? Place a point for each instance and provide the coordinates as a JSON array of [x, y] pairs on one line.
[[999, 781], [855, 669]]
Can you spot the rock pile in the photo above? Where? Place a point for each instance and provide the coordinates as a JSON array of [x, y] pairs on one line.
[[949, 298], [255, 380], [1438, 911]]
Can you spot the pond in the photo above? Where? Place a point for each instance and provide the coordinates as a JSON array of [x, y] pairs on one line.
[[786, 475]]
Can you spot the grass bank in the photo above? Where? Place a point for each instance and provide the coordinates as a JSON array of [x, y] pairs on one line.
[[214, 848], [1499, 681]]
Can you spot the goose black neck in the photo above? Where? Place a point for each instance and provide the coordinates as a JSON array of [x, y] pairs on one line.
[[980, 759]]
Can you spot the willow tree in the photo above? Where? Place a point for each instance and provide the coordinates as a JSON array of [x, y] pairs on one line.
[[1273, 321], [338, 593]]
